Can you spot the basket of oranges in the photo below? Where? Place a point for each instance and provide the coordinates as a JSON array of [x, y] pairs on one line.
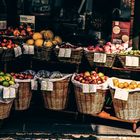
[[126, 98]]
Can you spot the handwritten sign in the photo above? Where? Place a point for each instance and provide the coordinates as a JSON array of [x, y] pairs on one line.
[[121, 94], [99, 57], [132, 61]]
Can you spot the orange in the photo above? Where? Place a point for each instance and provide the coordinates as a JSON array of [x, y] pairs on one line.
[[131, 86], [115, 81], [39, 42], [37, 35], [126, 85], [121, 85], [133, 82], [138, 86]]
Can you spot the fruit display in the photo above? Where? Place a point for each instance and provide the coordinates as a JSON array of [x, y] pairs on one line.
[[7, 43], [131, 52], [21, 31], [91, 77], [126, 84], [108, 48], [22, 76], [6, 79], [44, 38]]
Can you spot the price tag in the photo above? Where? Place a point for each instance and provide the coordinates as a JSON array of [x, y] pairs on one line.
[[86, 88], [61, 52], [34, 85], [12, 93], [17, 51], [26, 49], [92, 88], [132, 61], [49, 86], [100, 57], [121, 94], [30, 49], [43, 85], [67, 53], [6, 93], [3, 25]]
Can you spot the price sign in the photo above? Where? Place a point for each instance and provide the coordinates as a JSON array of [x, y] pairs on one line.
[[132, 61], [43, 85], [121, 94], [61, 52], [17, 51], [100, 57], [85, 88], [92, 88], [34, 84], [31, 49], [68, 52], [12, 93], [28, 20], [6, 93], [49, 86], [3, 25], [26, 49]]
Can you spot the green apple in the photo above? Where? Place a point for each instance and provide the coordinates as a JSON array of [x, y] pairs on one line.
[[2, 78], [11, 82], [7, 78], [1, 73], [5, 83]]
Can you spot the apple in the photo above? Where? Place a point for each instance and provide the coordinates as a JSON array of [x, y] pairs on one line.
[[100, 74], [87, 73]]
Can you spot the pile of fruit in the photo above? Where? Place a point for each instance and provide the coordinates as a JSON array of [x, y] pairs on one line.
[[6, 79], [21, 31], [91, 77], [22, 76], [7, 43], [108, 48], [125, 85], [131, 52], [44, 38]]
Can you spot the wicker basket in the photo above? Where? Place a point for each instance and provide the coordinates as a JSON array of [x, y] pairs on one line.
[[24, 95], [127, 110], [122, 59], [76, 56], [110, 58], [5, 109], [43, 53], [7, 55], [89, 103], [57, 99]]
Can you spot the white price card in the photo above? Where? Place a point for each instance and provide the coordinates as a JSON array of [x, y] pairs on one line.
[[17, 51], [99, 57], [92, 88], [43, 85], [49, 86], [34, 85], [31, 49], [68, 52], [3, 24], [6, 93], [26, 49], [132, 61], [12, 93], [121, 94], [61, 52], [85, 88], [27, 19]]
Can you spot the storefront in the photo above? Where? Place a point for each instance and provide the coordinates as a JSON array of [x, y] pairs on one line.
[[68, 65]]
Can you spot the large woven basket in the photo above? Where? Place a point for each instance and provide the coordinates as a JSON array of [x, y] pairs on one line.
[[24, 95], [43, 53], [5, 109], [7, 55], [76, 56], [127, 110], [110, 59], [89, 103], [57, 99], [122, 59]]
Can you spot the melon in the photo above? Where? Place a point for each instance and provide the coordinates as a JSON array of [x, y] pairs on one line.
[[39, 42], [48, 34], [30, 42], [37, 35]]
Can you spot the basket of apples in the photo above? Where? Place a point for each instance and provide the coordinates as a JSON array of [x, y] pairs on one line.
[[8, 91], [126, 98], [102, 55], [69, 53], [90, 91], [9, 50], [24, 94], [22, 32], [55, 89], [130, 58]]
